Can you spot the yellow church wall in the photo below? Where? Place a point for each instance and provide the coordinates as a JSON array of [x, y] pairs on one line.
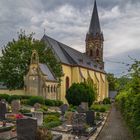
[[95, 80], [99, 86], [67, 70], [103, 86], [77, 75]]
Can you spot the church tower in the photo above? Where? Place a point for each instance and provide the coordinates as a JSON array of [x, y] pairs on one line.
[[95, 39]]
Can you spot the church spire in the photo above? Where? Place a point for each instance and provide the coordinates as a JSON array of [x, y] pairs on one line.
[[94, 23]]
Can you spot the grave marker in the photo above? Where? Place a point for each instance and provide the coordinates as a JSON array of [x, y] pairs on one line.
[[26, 129], [3, 110]]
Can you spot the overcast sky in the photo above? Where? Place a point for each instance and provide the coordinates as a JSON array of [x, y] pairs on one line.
[[68, 21]]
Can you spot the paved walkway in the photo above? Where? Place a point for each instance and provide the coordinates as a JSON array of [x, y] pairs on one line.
[[115, 128]]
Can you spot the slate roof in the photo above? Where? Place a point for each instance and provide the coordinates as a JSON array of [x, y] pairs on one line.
[[70, 56], [46, 71], [94, 24]]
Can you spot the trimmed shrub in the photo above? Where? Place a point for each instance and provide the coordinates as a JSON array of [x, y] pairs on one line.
[[25, 96], [57, 114], [4, 96], [50, 118], [14, 97], [24, 101], [24, 111], [36, 99], [106, 101], [80, 92], [49, 102], [52, 124], [102, 109]]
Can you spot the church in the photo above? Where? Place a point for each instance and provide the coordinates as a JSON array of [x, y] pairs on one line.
[[77, 66]]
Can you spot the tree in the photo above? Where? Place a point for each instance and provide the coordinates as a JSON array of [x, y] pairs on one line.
[[15, 60], [112, 81], [80, 92]]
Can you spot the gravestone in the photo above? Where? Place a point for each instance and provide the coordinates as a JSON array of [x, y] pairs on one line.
[[3, 110], [84, 105], [69, 118], [64, 108], [80, 109], [79, 122], [39, 117], [37, 106], [26, 129], [90, 117], [15, 106]]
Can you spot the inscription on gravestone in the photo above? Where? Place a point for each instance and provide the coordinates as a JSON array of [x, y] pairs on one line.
[[78, 122], [26, 129], [90, 117], [39, 117], [15, 106], [84, 105], [2, 110]]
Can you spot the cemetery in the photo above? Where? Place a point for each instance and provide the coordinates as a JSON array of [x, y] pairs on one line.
[[48, 119]]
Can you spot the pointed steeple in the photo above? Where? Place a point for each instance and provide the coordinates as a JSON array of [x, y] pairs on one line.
[[94, 23]]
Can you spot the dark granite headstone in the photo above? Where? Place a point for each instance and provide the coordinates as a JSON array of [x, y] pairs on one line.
[[26, 129], [3, 110], [64, 108], [90, 117]]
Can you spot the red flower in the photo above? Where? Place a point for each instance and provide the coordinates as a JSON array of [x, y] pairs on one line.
[[19, 116]]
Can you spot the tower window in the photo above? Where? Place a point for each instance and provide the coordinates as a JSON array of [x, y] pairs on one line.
[[97, 52], [91, 53]]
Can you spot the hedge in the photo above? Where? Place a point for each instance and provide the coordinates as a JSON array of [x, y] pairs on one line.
[[31, 100], [129, 105]]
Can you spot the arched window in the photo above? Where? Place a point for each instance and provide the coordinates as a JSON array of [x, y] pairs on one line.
[[51, 88], [54, 89], [91, 53], [97, 52], [67, 83], [48, 89]]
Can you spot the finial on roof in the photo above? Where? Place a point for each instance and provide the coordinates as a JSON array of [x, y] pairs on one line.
[[44, 31], [94, 27]]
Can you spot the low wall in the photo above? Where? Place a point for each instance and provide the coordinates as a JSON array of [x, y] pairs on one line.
[[12, 92]]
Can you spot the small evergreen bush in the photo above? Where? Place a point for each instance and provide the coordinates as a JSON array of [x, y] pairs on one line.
[[36, 99], [50, 118], [81, 92], [14, 97], [4, 96], [106, 101]]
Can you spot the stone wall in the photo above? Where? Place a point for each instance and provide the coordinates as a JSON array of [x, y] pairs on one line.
[[12, 92]]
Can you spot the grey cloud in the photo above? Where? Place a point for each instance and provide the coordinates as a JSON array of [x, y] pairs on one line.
[[68, 21]]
